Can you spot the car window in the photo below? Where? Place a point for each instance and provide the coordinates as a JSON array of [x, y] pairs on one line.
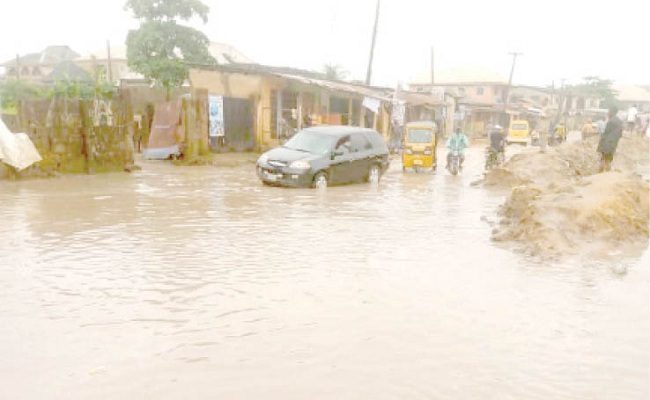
[[344, 145], [310, 142], [420, 136], [359, 142], [377, 141]]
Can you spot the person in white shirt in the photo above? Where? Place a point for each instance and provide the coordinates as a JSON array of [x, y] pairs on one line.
[[631, 118]]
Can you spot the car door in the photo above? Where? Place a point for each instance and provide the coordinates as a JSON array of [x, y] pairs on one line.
[[361, 156], [341, 166]]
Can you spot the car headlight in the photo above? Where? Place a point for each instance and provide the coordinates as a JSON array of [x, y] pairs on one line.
[[263, 159], [300, 164]]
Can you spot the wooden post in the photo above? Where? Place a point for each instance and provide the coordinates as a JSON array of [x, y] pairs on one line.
[[299, 111], [278, 113], [350, 110], [200, 97], [375, 118]]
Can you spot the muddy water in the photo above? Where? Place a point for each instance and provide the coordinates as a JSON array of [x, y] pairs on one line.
[[200, 283]]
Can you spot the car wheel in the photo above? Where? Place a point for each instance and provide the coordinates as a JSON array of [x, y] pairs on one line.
[[374, 174], [320, 180]]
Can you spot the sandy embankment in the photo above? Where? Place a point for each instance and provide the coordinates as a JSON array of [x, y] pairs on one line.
[[559, 204]]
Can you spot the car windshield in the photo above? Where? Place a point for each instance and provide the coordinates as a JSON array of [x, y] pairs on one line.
[[520, 127], [310, 142], [420, 136]]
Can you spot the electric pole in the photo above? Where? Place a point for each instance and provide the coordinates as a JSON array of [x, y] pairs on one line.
[[512, 73], [372, 46], [433, 74], [17, 67], [110, 62]]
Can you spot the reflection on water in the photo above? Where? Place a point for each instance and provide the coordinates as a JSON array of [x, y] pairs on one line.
[[199, 282]]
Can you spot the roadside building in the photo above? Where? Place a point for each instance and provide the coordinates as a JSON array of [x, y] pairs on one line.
[[479, 96], [629, 95], [106, 65], [37, 67], [264, 105]]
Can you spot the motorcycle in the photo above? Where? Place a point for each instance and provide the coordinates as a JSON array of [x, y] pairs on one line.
[[493, 158], [454, 163]]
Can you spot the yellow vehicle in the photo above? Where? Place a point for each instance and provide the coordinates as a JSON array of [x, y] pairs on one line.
[[519, 132], [419, 149], [560, 133]]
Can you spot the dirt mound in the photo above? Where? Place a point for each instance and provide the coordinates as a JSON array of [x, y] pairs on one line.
[[606, 209], [567, 162], [559, 204]]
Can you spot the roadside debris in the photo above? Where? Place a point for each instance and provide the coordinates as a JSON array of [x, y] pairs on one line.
[[17, 150], [559, 205]]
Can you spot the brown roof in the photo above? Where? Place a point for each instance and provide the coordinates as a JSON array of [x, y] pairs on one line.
[[50, 56], [318, 79]]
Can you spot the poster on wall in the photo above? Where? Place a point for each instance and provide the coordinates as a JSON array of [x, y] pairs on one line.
[[371, 104], [216, 116]]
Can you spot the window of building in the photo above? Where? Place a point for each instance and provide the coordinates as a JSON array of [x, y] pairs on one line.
[[480, 91], [461, 90]]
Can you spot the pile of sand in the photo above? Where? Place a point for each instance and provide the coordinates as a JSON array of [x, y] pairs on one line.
[[559, 205], [569, 161]]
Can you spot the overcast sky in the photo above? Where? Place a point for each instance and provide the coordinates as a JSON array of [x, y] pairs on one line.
[[560, 39]]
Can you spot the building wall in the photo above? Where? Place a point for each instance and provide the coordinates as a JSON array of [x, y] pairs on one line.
[[484, 93], [31, 73], [120, 68]]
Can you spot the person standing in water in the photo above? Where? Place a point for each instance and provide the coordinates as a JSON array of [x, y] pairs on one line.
[[609, 140]]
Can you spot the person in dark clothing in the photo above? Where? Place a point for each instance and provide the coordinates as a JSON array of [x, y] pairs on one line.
[[609, 140], [497, 139]]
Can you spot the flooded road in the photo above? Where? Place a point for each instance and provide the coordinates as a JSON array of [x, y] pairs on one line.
[[177, 283]]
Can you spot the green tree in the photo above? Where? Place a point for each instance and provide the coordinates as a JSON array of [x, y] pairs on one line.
[[334, 72], [597, 87], [161, 48], [14, 90]]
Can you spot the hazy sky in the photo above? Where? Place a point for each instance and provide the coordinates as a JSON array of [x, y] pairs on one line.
[[559, 38]]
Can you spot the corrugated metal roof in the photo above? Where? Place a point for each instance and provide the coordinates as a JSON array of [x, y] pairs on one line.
[[318, 79]]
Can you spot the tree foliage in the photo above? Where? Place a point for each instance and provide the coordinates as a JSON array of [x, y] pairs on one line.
[[597, 87], [161, 48], [334, 72], [13, 90]]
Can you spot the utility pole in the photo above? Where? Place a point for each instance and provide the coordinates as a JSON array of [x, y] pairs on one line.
[[433, 74], [110, 63], [17, 67], [512, 73], [372, 46]]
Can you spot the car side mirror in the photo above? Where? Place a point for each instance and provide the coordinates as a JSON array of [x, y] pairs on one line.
[[336, 153]]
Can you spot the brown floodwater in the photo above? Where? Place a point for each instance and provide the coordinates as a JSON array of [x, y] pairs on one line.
[[175, 283]]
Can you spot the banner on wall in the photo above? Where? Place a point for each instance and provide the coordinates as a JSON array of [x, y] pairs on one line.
[[216, 116], [371, 104]]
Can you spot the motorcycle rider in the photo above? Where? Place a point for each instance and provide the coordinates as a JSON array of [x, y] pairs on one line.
[[497, 139], [457, 142]]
